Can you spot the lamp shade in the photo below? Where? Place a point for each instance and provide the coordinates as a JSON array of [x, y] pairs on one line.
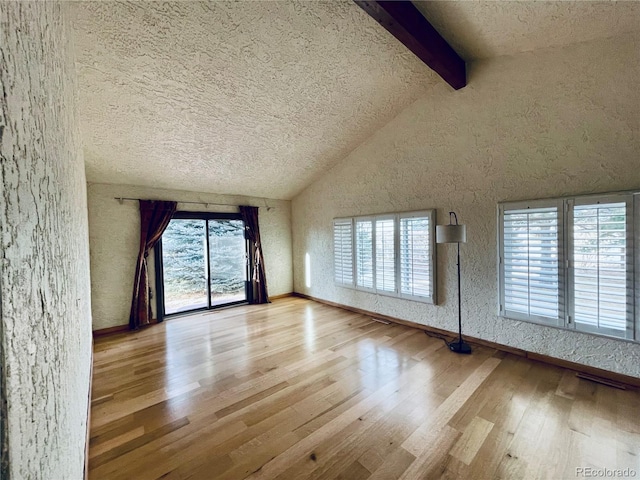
[[451, 234]]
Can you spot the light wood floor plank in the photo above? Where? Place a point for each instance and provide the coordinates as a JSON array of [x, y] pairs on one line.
[[425, 435], [471, 441], [301, 390]]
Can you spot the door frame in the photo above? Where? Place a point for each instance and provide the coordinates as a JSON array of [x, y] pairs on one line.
[[159, 267]]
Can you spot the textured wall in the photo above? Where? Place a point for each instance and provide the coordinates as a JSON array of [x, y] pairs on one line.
[[44, 280], [114, 232], [557, 122]]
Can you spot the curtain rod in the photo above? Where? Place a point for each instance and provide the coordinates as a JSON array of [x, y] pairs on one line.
[[122, 199]]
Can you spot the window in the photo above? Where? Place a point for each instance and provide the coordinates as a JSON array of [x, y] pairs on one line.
[[416, 265], [387, 254], [343, 251], [530, 258], [601, 267], [569, 263], [201, 263], [364, 253]]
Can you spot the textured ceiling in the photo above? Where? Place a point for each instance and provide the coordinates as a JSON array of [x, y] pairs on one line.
[[483, 29], [250, 98], [260, 98]]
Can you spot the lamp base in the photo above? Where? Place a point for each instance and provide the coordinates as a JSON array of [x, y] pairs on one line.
[[458, 346]]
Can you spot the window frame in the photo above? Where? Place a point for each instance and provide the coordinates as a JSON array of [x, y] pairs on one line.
[[593, 200], [158, 265], [372, 219], [565, 261], [431, 215], [636, 251], [396, 217], [343, 221], [395, 252], [502, 308]]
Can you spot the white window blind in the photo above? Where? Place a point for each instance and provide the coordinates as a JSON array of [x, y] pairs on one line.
[[391, 254], [416, 266], [571, 263], [343, 251], [385, 255], [601, 267], [531, 262], [364, 253]]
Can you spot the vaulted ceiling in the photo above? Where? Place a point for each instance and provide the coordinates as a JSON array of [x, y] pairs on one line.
[[484, 29], [261, 98]]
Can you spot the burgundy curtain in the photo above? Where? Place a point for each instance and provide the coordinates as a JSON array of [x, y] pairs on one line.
[[154, 218], [258, 278]]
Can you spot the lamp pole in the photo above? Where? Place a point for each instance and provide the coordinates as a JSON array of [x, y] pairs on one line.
[[459, 346], [459, 299]]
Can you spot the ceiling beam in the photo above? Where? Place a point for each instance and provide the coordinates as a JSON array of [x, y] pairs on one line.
[[405, 22]]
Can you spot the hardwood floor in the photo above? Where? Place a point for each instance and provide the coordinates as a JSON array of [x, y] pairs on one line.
[[301, 390]]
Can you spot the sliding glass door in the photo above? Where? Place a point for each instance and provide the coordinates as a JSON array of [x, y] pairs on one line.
[[201, 263], [184, 264], [227, 262]]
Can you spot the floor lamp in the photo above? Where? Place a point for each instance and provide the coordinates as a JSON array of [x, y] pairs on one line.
[[455, 233]]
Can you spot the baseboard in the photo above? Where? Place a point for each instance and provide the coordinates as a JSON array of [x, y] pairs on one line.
[[88, 433], [110, 331], [282, 295], [101, 332], [577, 367]]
